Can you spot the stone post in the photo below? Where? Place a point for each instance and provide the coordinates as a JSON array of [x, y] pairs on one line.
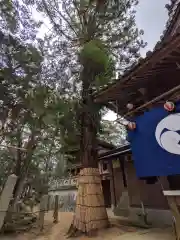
[[6, 197]]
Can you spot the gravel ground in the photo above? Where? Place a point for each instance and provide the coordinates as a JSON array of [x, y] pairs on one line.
[[118, 232]]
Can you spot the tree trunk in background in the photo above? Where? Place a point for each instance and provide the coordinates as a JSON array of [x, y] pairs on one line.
[[19, 189], [23, 170], [90, 212]]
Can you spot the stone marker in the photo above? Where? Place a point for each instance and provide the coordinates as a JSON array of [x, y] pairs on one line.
[[6, 197]]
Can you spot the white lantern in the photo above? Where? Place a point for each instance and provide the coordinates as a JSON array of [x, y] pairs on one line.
[[129, 106]]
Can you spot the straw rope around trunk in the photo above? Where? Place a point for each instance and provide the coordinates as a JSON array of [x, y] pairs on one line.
[[90, 213]]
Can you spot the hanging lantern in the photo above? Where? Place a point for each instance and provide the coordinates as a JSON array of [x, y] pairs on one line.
[[132, 125], [124, 122], [169, 106], [129, 106]]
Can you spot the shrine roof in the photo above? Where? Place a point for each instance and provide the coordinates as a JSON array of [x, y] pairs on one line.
[[174, 13], [152, 74], [101, 143], [115, 153]]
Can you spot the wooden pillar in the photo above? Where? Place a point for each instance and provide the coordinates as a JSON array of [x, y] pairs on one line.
[[112, 186], [48, 203], [56, 209], [121, 161], [173, 198]]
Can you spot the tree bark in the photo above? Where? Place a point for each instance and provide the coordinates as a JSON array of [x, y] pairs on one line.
[[90, 212], [89, 123], [24, 168]]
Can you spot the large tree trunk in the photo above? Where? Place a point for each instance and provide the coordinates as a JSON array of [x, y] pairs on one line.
[[90, 213]]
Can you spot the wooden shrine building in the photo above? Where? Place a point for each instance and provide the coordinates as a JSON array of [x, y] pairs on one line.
[[152, 81], [67, 186], [131, 196]]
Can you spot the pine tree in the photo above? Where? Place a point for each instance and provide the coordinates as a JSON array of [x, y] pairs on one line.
[[94, 41], [30, 104]]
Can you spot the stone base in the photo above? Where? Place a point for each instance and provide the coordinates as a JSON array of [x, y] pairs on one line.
[[155, 217], [112, 207], [122, 208]]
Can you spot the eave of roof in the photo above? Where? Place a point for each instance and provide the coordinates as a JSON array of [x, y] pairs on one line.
[[143, 70], [105, 144], [116, 152], [124, 149], [172, 22], [101, 143]]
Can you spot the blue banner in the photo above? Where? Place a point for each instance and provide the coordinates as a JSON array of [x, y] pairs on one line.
[[155, 143]]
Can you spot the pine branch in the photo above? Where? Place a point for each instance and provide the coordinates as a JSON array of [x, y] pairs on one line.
[[78, 13], [64, 18], [56, 26]]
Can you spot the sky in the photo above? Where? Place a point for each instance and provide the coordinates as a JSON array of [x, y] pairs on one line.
[[152, 19], [151, 16]]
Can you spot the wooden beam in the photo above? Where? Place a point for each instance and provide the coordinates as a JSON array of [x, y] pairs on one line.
[[153, 101]]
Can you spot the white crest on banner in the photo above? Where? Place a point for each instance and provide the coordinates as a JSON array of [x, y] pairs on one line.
[[169, 140]]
